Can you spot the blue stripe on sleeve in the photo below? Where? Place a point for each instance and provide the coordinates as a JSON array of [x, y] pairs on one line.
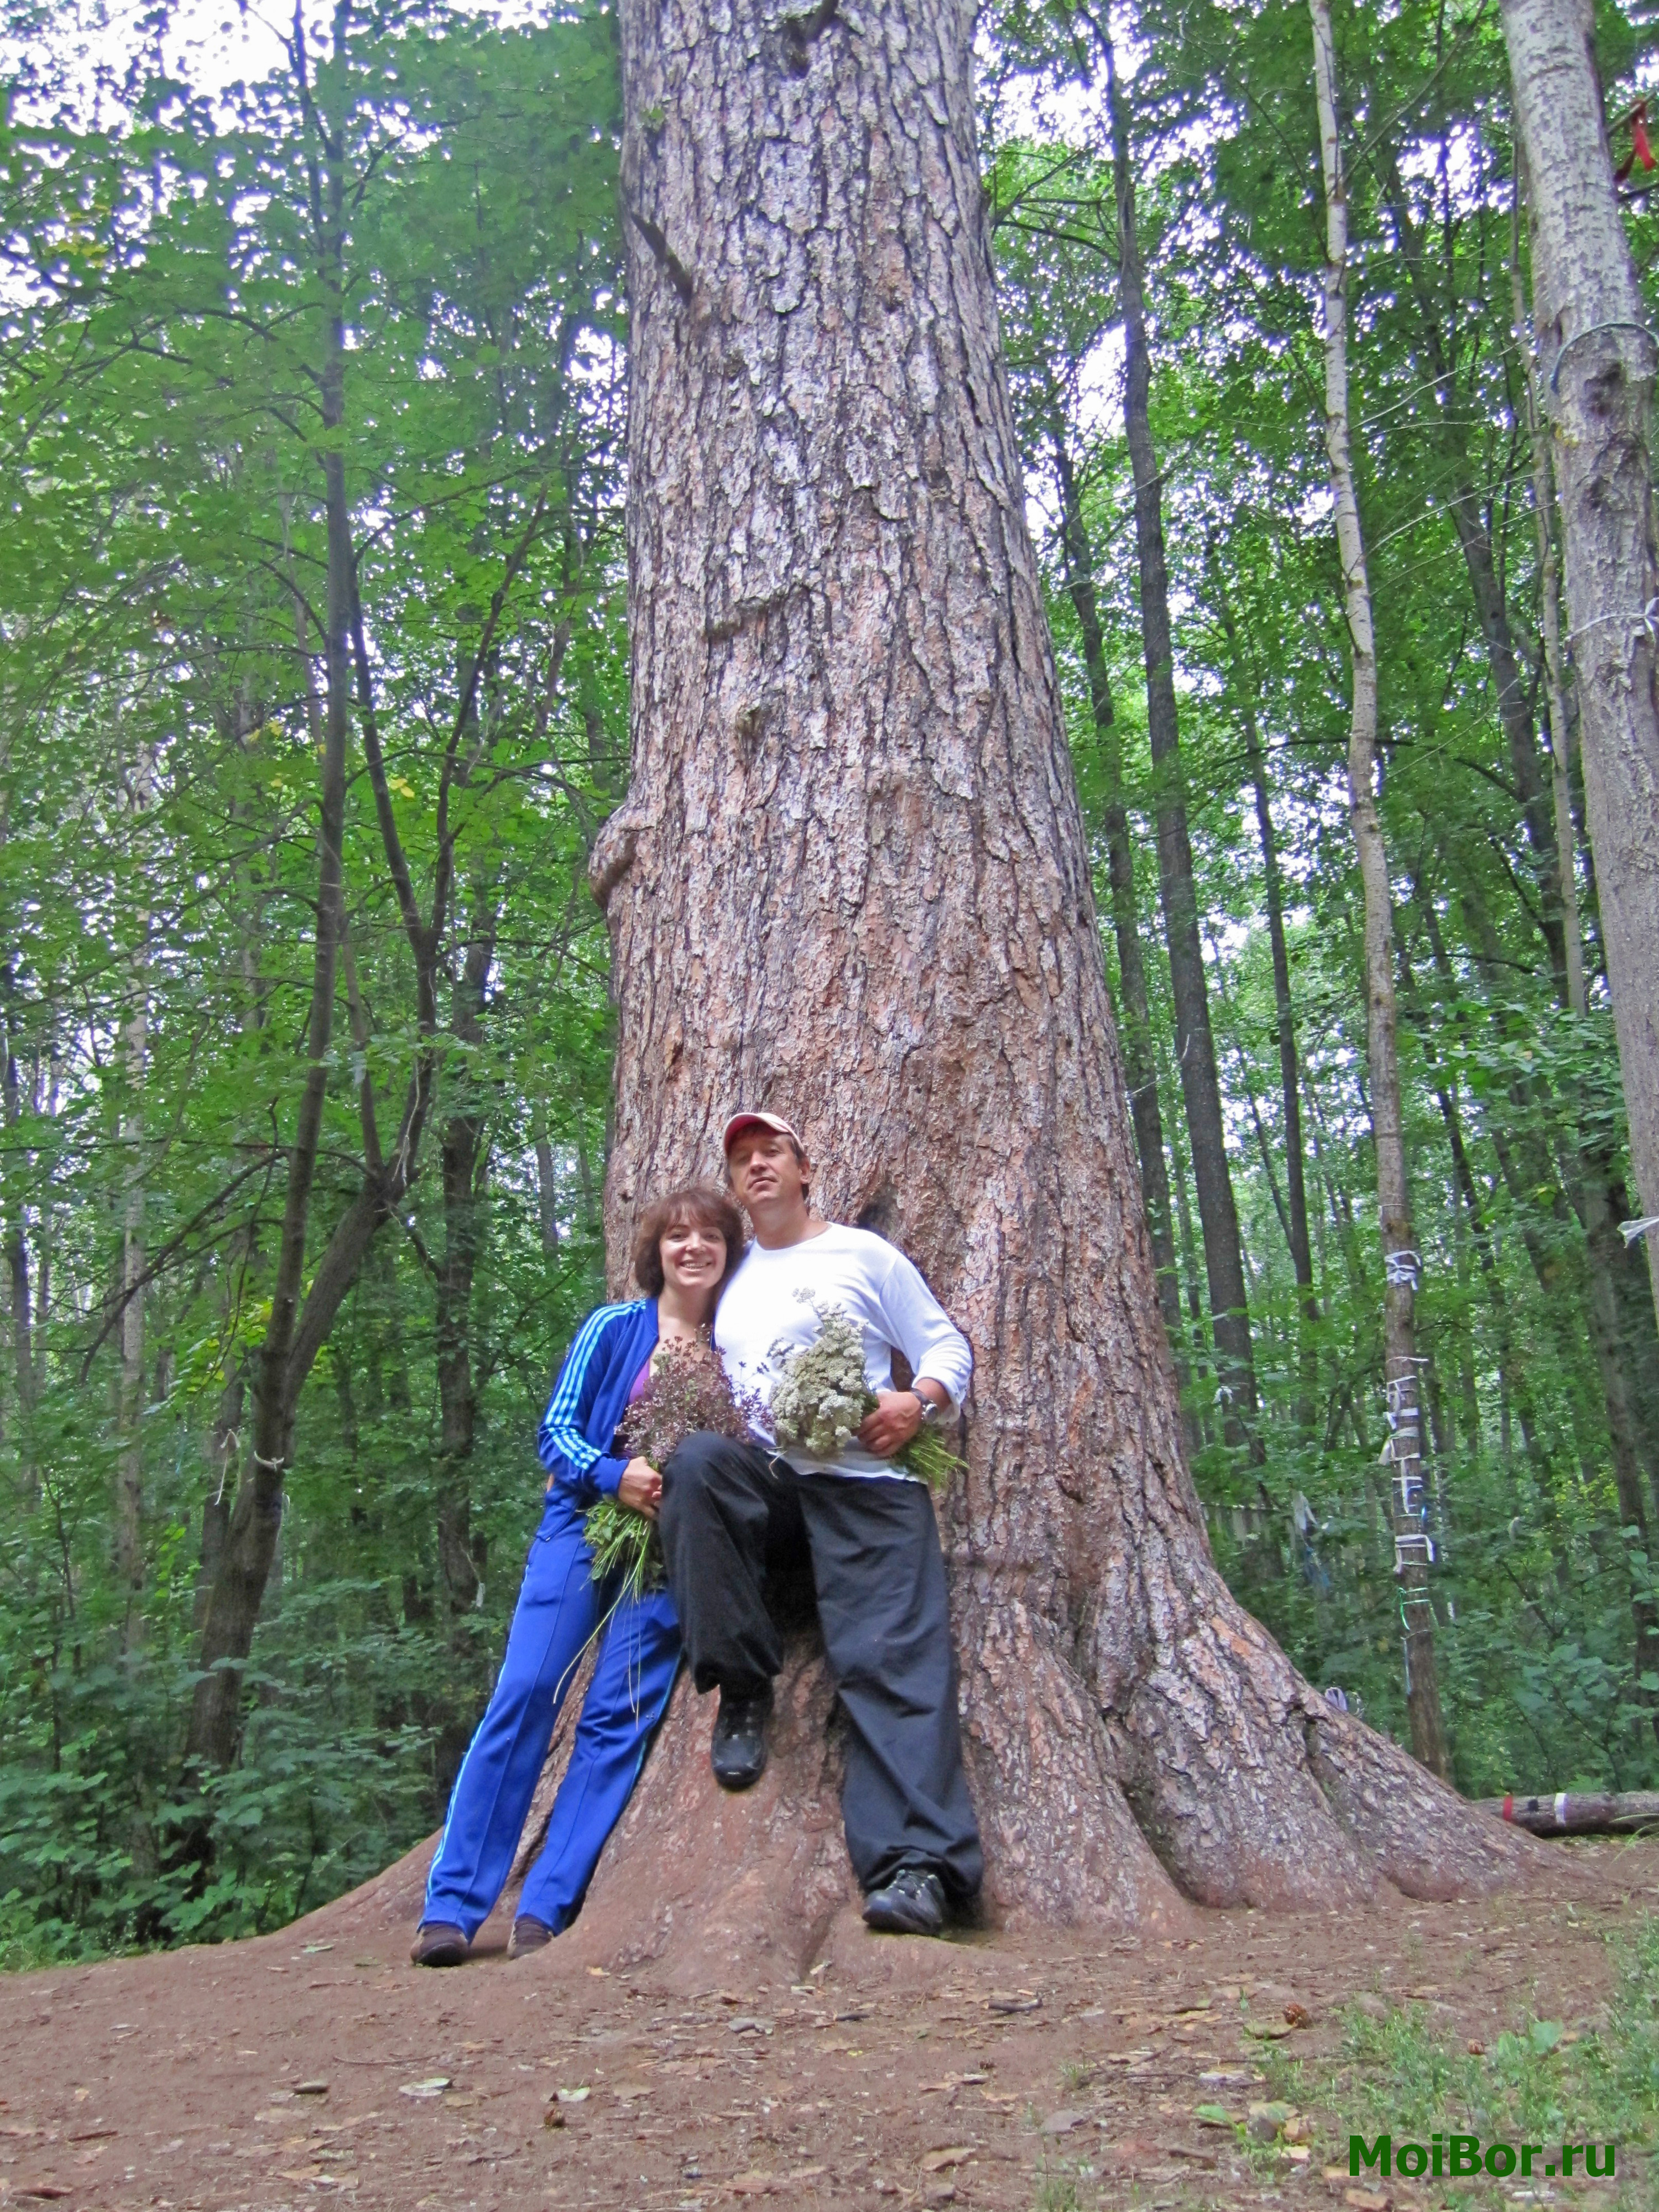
[[560, 1436]]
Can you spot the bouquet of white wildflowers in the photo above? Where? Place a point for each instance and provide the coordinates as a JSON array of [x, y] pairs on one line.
[[821, 1398]]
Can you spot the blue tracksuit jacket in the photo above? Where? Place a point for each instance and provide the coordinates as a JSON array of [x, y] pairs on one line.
[[558, 1613]]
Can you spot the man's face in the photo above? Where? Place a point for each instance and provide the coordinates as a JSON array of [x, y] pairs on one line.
[[763, 1167]]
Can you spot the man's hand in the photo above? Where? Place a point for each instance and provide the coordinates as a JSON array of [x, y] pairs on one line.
[[641, 1488], [887, 1431]]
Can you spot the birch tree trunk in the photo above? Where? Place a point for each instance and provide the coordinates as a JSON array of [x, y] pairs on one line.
[[850, 881], [1596, 358], [1393, 1202]]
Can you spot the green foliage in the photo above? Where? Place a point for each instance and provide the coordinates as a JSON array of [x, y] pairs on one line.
[[161, 585]]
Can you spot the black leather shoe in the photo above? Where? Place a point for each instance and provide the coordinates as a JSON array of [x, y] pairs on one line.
[[437, 1944], [912, 1904], [737, 1754], [528, 1935]]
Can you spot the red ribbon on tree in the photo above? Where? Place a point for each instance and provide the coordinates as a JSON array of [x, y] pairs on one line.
[[1640, 149]]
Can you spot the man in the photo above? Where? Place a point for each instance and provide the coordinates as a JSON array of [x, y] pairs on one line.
[[868, 1526]]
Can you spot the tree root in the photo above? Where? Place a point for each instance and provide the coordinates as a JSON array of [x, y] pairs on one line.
[[1253, 1789]]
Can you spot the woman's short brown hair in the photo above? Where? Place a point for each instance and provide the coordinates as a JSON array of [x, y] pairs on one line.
[[698, 1202]]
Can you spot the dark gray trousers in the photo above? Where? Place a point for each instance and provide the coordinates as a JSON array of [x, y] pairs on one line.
[[727, 1509]]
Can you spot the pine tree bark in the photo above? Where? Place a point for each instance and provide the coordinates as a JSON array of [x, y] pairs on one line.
[[1393, 1204], [1597, 357], [850, 881]]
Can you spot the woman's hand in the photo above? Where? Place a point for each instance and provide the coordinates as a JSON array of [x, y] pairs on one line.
[[641, 1488]]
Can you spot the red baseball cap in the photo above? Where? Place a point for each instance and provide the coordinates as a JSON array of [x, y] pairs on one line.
[[740, 1122]]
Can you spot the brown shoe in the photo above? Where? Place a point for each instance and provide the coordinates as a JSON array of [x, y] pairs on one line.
[[437, 1944], [527, 1935]]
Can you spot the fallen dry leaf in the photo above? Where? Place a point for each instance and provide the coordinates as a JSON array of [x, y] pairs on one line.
[[1006, 2001], [953, 2154], [1367, 2200], [553, 2116], [753, 2184], [46, 2190], [1062, 2124]]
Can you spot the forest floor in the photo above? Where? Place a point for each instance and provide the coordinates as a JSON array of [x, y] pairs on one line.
[[994, 2070]]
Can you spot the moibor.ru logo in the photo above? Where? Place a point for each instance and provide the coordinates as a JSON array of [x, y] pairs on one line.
[[1451, 2156]]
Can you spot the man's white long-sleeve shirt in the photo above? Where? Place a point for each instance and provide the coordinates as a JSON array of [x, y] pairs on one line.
[[762, 1314]]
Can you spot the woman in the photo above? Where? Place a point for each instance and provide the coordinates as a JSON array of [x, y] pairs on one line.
[[688, 1244]]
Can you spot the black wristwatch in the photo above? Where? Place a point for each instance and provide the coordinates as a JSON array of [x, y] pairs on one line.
[[930, 1411]]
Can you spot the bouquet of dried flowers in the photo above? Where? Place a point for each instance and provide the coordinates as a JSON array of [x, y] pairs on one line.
[[688, 1391], [821, 1399]]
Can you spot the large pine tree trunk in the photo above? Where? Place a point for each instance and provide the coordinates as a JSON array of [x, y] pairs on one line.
[[850, 881], [1597, 357]]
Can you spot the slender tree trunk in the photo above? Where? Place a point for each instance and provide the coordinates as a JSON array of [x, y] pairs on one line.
[[850, 879], [251, 1538], [1135, 1027], [129, 1392], [1620, 1325], [462, 1151], [547, 1185], [1200, 1082], [1463, 503], [1245, 690], [1566, 840], [1597, 357], [19, 1288], [1387, 1119]]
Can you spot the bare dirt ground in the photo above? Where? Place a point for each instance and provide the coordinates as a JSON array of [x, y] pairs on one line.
[[978, 2072]]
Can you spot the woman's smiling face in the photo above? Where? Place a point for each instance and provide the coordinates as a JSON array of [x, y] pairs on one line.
[[693, 1258]]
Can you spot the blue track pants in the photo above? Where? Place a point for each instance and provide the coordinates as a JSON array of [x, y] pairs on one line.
[[558, 1610]]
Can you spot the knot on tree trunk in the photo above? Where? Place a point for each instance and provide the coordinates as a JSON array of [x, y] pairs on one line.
[[613, 856]]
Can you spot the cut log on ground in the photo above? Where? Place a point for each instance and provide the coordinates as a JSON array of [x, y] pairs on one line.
[[851, 883], [1620, 1812]]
